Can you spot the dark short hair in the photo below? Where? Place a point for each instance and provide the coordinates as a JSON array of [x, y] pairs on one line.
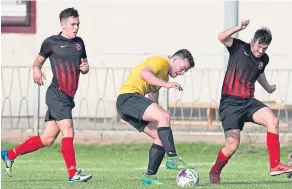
[[66, 13], [184, 53], [263, 36]]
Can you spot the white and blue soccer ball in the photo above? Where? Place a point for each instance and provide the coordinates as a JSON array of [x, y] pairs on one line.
[[187, 178]]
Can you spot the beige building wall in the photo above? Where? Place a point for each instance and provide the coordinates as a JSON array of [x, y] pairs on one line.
[[122, 33]]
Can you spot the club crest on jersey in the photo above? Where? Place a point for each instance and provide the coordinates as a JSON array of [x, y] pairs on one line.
[[261, 65], [77, 46]]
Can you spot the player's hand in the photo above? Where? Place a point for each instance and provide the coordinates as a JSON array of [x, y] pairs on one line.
[[38, 76], [174, 85], [84, 67], [243, 24], [272, 89]]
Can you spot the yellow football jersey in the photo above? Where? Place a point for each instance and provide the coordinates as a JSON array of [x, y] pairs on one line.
[[134, 83]]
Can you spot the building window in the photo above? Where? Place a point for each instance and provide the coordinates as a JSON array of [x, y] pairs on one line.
[[18, 16]]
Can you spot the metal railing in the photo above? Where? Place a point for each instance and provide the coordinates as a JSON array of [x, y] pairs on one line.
[[23, 102]]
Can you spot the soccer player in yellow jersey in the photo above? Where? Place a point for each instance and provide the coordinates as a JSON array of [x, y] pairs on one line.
[[146, 115]]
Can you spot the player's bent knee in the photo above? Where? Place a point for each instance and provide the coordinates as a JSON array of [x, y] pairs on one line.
[[232, 146], [275, 122], [164, 119], [66, 127], [69, 132]]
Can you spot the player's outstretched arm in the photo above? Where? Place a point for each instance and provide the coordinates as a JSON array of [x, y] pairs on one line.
[[147, 74], [38, 75], [154, 96], [84, 66], [225, 36], [265, 84]]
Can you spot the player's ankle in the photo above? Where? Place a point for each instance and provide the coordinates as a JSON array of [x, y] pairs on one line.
[[171, 158], [72, 172], [274, 166], [212, 172]]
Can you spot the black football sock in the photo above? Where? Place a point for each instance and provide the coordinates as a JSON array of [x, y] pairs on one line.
[[156, 154], [166, 138]]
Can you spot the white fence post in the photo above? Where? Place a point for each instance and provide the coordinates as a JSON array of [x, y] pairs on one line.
[[36, 115], [165, 99]]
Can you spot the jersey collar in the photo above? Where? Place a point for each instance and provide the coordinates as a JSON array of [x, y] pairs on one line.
[[64, 38]]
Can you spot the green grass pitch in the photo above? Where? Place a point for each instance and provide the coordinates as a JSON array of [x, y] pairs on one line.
[[122, 166]]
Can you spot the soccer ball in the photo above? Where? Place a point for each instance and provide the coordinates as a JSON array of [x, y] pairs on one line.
[[187, 178]]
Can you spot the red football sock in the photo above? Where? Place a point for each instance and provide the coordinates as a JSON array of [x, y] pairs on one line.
[[69, 155], [32, 144], [273, 146], [221, 161]]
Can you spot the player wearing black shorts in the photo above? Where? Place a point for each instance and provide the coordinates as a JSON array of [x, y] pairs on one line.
[[246, 65], [146, 115], [68, 58]]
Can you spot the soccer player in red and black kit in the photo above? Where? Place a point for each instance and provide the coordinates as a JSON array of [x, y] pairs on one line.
[[68, 58], [246, 65]]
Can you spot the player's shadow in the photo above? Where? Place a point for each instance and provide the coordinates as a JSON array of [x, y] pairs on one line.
[[259, 182]]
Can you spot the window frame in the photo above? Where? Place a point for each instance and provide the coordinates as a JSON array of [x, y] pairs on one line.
[[31, 28]]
